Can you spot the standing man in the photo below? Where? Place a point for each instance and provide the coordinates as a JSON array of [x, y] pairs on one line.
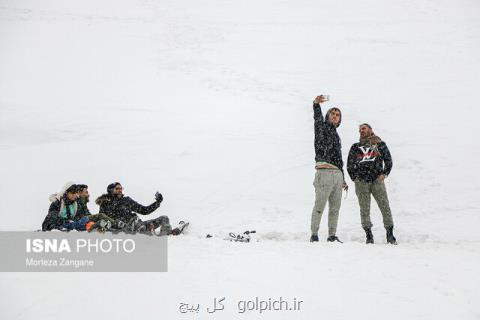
[[369, 163], [329, 178]]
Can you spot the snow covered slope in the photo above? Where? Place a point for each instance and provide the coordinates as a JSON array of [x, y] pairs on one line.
[[210, 103]]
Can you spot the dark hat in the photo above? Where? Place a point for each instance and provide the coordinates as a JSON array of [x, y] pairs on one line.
[[73, 188], [112, 186], [80, 187]]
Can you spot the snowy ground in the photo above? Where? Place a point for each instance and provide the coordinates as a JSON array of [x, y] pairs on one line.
[[210, 103]]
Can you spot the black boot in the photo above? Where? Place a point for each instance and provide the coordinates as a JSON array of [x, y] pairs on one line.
[[314, 238], [333, 239], [369, 236], [390, 238]]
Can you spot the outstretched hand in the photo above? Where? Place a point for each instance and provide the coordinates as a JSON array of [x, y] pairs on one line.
[[158, 197], [320, 99]]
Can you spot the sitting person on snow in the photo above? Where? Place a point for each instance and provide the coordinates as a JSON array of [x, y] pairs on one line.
[[121, 208], [63, 212], [98, 221], [83, 199]]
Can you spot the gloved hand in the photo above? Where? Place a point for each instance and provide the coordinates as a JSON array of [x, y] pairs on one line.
[[68, 225], [158, 197]]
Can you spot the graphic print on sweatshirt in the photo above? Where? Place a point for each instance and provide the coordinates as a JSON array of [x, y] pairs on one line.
[[368, 153]]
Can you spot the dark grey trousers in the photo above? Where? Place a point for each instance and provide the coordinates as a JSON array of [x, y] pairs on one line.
[[149, 226]]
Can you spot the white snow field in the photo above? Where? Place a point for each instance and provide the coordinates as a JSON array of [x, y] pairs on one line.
[[210, 102]]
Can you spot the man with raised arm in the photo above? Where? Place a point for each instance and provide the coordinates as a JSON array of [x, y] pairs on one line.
[[329, 178]]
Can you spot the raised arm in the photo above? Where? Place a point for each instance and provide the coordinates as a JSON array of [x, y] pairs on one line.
[[317, 110], [138, 208], [318, 119]]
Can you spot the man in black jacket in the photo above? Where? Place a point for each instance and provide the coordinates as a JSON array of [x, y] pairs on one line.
[[121, 208], [369, 163], [329, 178]]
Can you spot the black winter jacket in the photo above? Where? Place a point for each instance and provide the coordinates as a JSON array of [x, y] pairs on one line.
[[328, 147], [124, 208], [82, 210], [53, 220], [367, 162]]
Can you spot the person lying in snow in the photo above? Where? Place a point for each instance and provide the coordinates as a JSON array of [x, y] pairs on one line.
[[63, 213], [124, 209]]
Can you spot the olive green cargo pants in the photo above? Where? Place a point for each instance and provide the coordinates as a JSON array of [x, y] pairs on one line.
[[364, 191]]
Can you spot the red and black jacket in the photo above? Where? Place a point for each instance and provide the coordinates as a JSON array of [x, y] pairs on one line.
[[367, 162]]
